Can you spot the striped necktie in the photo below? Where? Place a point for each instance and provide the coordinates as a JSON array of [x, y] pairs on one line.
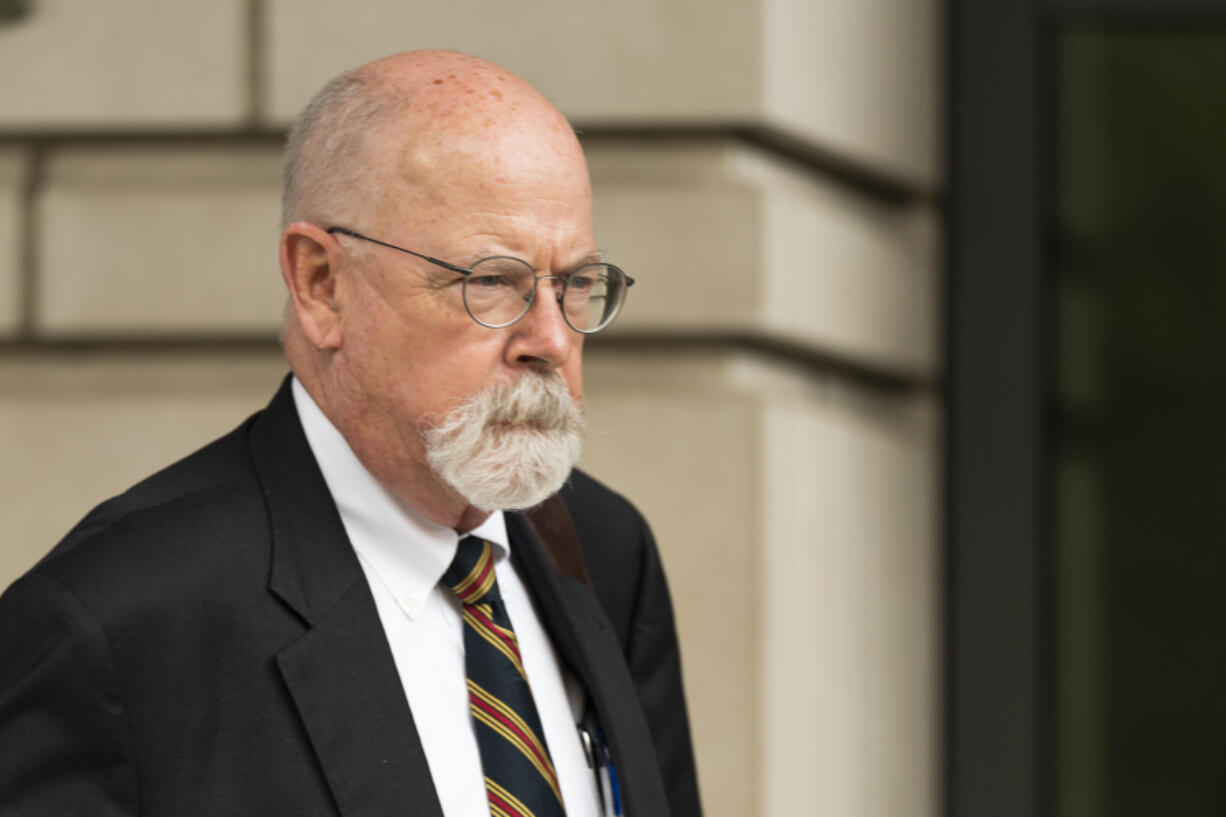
[[520, 780]]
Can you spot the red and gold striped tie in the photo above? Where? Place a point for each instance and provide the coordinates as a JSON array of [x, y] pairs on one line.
[[520, 780]]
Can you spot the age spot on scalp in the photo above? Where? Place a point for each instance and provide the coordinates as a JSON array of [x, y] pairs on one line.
[[494, 92]]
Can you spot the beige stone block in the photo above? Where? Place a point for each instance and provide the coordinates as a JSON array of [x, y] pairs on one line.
[[851, 620], [76, 429], [13, 170], [797, 520], [124, 64], [723, 237], [640, 59], [859, 80], [160, 240]]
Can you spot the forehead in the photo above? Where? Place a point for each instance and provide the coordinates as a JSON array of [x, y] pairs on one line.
[[498, 191]]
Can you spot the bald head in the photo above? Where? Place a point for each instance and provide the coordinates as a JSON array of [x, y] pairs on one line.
[[408, 119]]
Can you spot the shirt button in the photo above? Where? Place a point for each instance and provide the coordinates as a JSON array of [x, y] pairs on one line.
[[411, 603]]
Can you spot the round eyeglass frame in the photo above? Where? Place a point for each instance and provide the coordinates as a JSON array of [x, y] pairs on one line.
[[529, 298]]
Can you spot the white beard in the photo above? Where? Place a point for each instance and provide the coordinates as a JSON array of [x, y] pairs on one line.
[[510, 446]]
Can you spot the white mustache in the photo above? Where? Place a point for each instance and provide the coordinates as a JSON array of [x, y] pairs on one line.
[[510, 445], [540, 401]]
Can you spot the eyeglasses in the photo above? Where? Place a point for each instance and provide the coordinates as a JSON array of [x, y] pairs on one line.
[[500, 290]]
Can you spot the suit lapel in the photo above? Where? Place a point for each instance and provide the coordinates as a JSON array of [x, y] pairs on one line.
[[344, 683], [584, 637], [340, 673]]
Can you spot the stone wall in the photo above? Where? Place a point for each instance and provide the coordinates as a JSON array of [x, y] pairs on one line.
[[768, 170]]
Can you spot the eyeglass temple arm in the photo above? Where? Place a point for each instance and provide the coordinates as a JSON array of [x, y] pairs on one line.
[[431, 259]]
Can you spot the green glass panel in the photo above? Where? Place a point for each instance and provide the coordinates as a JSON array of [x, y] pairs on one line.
[[1140, 421]]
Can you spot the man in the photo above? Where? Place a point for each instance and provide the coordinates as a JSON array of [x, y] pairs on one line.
[[284, 622]]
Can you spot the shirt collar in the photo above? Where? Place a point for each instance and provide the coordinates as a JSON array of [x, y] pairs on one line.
[[408, 552]]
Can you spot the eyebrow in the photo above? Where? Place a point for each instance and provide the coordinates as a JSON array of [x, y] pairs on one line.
[[593, 257]]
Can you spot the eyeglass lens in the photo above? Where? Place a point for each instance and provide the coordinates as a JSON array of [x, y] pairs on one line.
[[498, 292]]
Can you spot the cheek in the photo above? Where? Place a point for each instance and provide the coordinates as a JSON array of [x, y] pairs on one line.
[[451, 366], [381, 357]]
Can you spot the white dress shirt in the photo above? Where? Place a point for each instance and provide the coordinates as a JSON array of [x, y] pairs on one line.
[[404, 556]]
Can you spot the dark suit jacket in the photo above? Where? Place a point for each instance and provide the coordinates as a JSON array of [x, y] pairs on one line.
[[206, 644]]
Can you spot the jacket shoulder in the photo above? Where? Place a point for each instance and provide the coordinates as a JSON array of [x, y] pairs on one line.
[[617, 545], [599, 511], [202, 510], [221, 461]]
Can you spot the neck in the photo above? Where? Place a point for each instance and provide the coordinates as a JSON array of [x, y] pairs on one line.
[[470, 519], [392, 455]]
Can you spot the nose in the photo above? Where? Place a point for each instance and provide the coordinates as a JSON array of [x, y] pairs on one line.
[[542, 338]]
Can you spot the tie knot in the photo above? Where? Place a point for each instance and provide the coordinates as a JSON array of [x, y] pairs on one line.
[[471, 574]]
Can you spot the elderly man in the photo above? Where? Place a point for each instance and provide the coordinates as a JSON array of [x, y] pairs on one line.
[[343, 606]]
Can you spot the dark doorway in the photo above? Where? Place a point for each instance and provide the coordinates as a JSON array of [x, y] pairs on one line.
[[1087, 408]]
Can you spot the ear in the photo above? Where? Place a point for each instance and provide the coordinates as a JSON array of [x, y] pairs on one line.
[[310, 258]]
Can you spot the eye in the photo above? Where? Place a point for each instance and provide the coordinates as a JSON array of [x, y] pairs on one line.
[[489, 281], [500, 273], [580, 283]]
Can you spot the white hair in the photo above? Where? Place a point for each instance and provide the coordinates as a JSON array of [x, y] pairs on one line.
[[325, 158], [511, 445]]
